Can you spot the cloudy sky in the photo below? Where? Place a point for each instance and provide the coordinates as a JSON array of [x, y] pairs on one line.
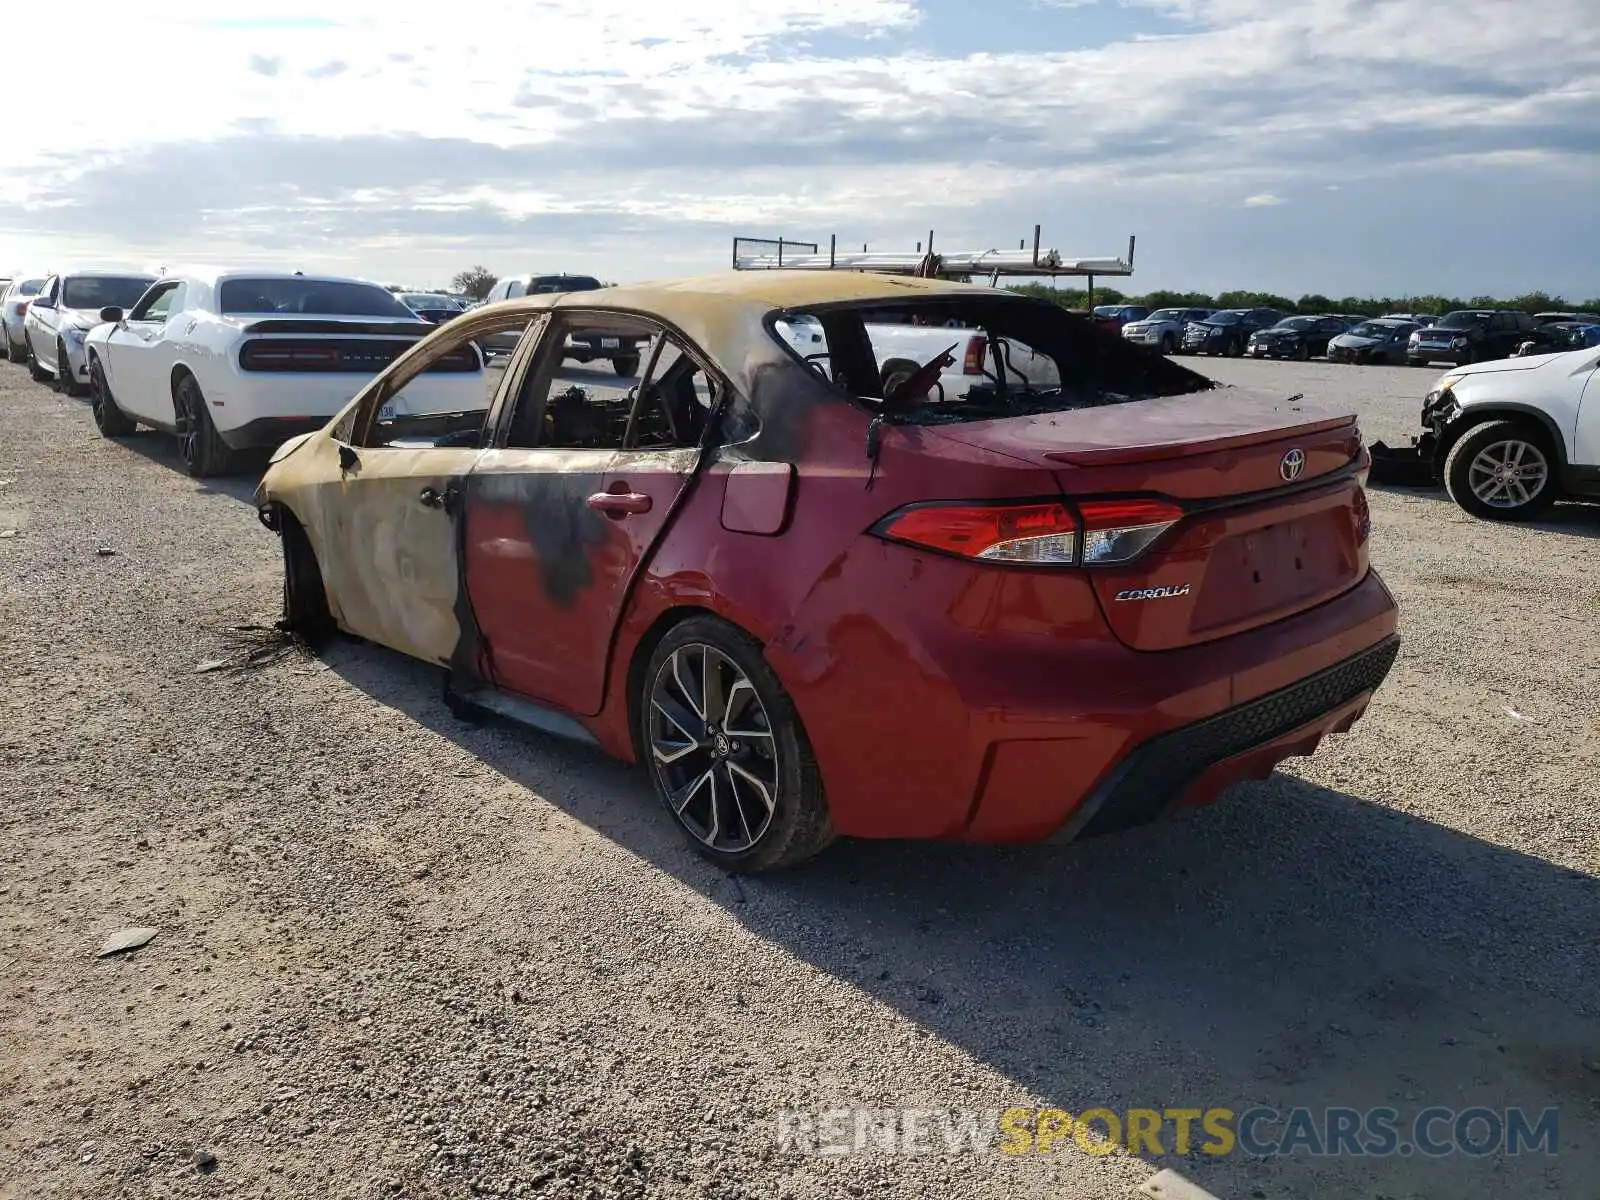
[[1340, 146]]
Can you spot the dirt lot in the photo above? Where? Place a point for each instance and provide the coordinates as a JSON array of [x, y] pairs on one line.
[[400, 955]]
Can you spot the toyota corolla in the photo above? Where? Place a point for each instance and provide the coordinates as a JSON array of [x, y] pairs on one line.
[[812, 597]]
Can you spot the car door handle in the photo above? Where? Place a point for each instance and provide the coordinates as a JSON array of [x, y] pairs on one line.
[[433, 498], [620, 504]]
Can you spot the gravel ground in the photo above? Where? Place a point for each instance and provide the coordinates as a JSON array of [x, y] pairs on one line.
[[403, 956]]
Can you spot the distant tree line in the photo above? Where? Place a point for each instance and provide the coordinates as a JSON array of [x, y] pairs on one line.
[[1365, 306], [479, 280]]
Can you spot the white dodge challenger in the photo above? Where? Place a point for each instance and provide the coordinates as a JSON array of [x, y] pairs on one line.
[[241, 361]]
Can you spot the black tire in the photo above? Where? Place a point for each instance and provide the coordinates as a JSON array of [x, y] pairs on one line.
[[1236, 348], [38, 373], [1169, 344], [204, 452], [1303, 352], [1416, 362], [14, 352], [64, 378], [625, 364], [1467, 470], [305, 597], [110, 420], [798, 825]]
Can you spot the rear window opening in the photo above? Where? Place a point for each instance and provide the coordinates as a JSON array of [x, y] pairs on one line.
[[958, 359], [544, 285], [94, 292], [1464, 320], [304, 297]]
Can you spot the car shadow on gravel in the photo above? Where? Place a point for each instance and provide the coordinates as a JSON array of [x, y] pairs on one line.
[[1577, 518], [162, 450], [1290, 945]]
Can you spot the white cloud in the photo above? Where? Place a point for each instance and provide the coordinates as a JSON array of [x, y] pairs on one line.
[[296, 129]]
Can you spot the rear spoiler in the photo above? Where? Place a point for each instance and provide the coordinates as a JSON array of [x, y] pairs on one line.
[[1194, 441], [351, 325]]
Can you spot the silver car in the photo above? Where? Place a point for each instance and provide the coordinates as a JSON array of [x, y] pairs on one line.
[[1163, 329], [14, 300], [61, 315]]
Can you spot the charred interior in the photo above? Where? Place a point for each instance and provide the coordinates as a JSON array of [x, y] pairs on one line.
[[961, 358]]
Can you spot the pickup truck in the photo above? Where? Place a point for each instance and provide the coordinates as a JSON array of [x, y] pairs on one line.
[[902, 349], [582, 345]]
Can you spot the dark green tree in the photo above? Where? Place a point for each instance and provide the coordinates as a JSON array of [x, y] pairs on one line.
[[476, 282]]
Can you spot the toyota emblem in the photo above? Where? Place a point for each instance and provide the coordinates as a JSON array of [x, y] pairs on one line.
[[1293, 463]]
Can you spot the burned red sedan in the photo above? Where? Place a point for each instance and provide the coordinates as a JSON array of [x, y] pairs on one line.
[[856, 555]]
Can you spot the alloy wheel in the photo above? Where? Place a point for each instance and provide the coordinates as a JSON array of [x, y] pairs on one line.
[[712, 749], [1508, 474], [189, 427], [97, 394]]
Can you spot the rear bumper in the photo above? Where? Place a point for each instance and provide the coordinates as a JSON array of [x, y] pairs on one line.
[[268, 433], [1360, 354], [1000, 707], [586, 347], [1195, 763], [1218, 714], [252, 410]]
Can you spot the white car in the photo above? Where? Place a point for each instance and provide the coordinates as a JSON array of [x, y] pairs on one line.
[[245, 360], [1511, 436], [14, 300], [60, 317]]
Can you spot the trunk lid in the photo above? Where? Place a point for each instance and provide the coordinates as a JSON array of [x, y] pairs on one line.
[[1275, 519]]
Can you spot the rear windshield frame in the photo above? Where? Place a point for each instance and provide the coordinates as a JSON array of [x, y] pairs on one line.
[[1110, 351]]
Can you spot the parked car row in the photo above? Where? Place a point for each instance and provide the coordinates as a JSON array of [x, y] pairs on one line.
[[1458, 338], [228, 362]]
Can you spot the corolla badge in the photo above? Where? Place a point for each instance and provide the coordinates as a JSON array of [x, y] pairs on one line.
[[1293, 463], [1154, 593]]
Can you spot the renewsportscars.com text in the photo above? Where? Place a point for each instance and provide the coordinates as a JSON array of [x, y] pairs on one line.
[[1153, 1132]]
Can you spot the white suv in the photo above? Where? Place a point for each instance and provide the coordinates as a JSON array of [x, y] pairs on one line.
[[1512, 436]]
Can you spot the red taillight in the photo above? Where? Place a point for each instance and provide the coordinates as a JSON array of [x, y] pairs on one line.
[[977, 350], [1113, 532], [1017, 533], [22, 309], [1118, 531]]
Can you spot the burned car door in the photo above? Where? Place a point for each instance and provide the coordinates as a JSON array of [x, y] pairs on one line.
[[389, 511], [393, 566], [564, 509]]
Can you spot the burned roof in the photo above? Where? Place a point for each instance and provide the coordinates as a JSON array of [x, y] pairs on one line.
[[723, 313]]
